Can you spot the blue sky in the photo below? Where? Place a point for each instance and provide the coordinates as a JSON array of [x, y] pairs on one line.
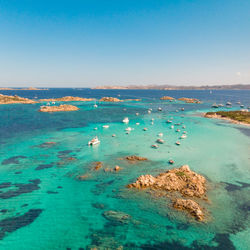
[[80, 43]]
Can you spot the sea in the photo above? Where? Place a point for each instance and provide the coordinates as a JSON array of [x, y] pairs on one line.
[[51, 197]]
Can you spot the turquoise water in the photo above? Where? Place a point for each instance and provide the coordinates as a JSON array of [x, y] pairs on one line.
[[44, 205]]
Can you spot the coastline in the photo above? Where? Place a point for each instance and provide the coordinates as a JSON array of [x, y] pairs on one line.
[[219, 117]]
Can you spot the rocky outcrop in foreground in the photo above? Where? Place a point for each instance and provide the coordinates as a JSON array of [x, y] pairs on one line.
[[7, 99], [189, 100], [67, 99], [167, 98], [175, 182], [110, 99], [59, 108]]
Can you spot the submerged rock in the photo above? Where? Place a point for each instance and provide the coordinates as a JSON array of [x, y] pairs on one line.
[[191, 207], [117, 216], [134, 158]]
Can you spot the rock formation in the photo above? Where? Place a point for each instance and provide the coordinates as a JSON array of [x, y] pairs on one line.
[[6, 99], [189, 100], [175, 182], [58, 108], [191, 206], [117, 217], [167, 98], [97, 165], [67, 99], [110, 99], [134, 158]]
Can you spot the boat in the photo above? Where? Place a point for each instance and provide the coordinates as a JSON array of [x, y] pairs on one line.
[[172, 126], [160, 134], [136, 114], [238, 102], [149, 111], [95, 128], [184, 132], [242, 106], [171, 162], [114, 135], [183, 136], [48, 104], [160, 141], [128, 129], [183, 126], [182, 109], [215, 106], [152, 123], [220, 105], [159, 109], [168, 121], [94, 141], [176, 110], [125, 120], [53, 102], [137, 123], [177, 130], [152, 119], [145, 129], [95, 106], [105, 126], [178, 143], [154, 146], [228, 103]]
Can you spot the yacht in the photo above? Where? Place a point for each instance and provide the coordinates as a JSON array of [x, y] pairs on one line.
[[229, 103], [125, 120], [215, 105], [94, 141], [105, 126]]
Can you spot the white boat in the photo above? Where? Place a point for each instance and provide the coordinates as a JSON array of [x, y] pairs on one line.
[[160, 134], [182, 109], [171, 162], [152, 119], [178, 143], [160, 141], [145, 129], [183, 126], [168, 121], [125, 120], [159, 109], [114, 135], [172, 126], [136, 114], [137, 123], [128, 129], [48, 104], [154, 146], [242, 106], [229, 103], [105, 126], [94, 141], [215, 105], [95, 106], [53, 102], [183, 136], [177, 130], [95, 128], [149, 111]]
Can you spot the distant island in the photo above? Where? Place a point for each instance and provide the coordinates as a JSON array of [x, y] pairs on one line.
[[172, 87], [30, 88], [6, 99]]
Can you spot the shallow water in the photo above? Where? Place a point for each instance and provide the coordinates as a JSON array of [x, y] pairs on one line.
[[45, 206]]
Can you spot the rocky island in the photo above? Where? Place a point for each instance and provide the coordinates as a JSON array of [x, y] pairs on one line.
[[189, 100], [59, 108], [67, 99], [110, 99], [177, 184], [169, 98], [7, 99], [237, 117]]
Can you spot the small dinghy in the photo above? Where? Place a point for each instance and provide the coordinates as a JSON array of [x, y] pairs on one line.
[[160, 141], [154, 146], [125, 120], [160, 134], [94, 141], [105, 126], [183, 136], [178, 143], [171, 162], [114, 135], [137, 123], [168, 121]]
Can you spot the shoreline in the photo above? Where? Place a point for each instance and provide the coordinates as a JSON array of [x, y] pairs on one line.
[[219, 117]]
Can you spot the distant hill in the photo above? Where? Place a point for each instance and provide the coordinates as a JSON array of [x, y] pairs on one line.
[[172, 87]]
